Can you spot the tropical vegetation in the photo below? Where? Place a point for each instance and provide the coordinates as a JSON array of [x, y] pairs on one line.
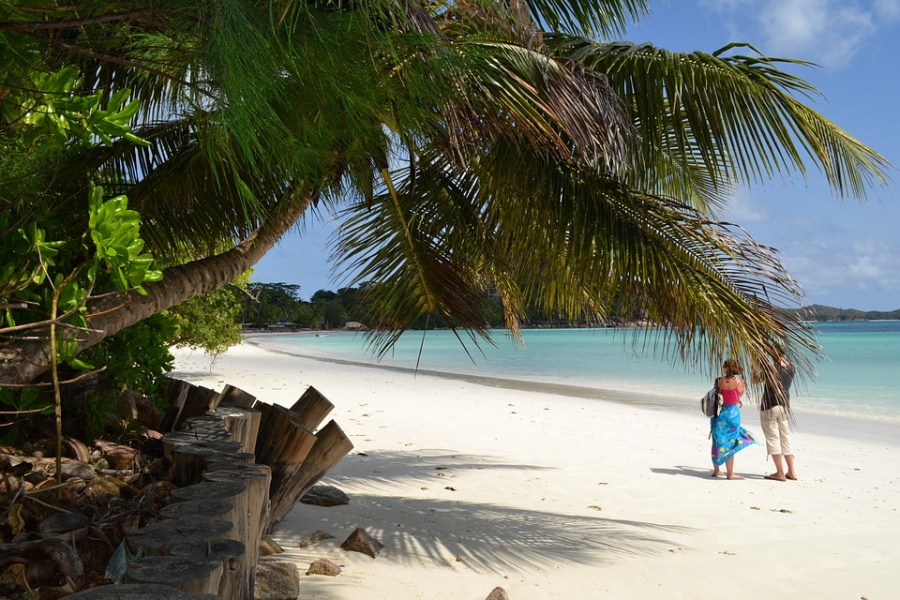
[[512, 146]]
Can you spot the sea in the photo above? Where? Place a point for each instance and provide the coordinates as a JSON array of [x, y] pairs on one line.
[[854, 389]]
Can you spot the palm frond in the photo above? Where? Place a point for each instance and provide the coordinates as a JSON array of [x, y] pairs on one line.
[[506, 90], [602, 18], [413, 242], [571, 241], [738, 118]]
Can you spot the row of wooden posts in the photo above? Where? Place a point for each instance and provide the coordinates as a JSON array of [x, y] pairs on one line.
[[240, 465]]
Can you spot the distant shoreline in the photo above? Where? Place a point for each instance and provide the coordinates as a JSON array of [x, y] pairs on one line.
[[279, 329]]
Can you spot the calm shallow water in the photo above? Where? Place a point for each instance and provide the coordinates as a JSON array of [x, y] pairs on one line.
[[853, 381]]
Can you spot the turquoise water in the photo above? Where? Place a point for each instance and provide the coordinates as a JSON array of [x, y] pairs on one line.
[[854, 380]]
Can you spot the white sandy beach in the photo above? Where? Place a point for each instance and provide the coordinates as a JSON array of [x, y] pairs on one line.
[[472, 487]]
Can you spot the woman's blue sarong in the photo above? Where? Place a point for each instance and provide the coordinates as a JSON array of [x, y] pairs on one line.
[[728, 437]]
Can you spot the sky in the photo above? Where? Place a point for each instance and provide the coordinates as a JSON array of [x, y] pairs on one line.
[[844, 253]]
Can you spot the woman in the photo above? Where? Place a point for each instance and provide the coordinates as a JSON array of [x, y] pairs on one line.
[[728, 436]]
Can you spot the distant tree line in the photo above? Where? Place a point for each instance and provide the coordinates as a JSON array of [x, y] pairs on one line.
[[819, 312], [279, 306]]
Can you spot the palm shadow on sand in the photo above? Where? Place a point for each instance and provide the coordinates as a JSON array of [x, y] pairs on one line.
[[487, 536]]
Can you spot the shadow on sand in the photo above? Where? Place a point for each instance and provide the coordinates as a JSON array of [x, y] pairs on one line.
[[492, 537]]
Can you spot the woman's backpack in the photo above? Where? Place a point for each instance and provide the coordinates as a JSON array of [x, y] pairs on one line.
[[711, 402]]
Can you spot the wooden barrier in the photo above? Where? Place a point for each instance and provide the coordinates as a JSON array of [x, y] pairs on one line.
[[240, 466]]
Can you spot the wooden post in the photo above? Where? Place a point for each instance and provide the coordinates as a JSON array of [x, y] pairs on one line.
[[233, 397], [137, 591], [241, 423], [312, 408], [190, 453], [251, 508], [188, 574], [235, 492], [283, 444], [330, 447], [157, 538], [176, 391], [210, 490], [199, 400], [226, 501], [189, 509], [230, 552]]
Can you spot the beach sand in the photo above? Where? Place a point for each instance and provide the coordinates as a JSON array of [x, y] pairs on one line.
[[470, 487]]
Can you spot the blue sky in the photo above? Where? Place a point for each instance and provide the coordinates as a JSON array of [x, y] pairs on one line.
[[843, 253]]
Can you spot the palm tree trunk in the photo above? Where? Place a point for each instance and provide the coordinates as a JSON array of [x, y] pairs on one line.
[[23, 360]]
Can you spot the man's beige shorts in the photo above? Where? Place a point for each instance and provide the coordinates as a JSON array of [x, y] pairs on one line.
[[774, 423]]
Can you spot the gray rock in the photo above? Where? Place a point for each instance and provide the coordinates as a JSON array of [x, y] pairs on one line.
[[62, 523], [360, 541], [323, 566], [277, 580], [325, 495]]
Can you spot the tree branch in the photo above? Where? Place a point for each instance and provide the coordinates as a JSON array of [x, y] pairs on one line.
[[113, 59], [75, 23]]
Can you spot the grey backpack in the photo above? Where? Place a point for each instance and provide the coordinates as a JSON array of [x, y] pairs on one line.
[[711, 402]]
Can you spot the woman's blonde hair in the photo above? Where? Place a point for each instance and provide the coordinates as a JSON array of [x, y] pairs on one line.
[[732, 367]]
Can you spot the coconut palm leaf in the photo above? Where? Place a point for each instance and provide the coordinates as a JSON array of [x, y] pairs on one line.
[[602, 18], [570, 242], [736, 118]]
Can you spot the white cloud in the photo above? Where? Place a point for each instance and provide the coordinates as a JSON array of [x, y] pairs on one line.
[[743, 209], [828, 32], [888, 9], [727, 5], [846, 274]]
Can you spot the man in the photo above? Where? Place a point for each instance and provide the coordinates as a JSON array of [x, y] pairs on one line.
[[774, 416]]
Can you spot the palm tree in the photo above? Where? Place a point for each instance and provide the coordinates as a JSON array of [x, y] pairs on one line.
[[469, 144]]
